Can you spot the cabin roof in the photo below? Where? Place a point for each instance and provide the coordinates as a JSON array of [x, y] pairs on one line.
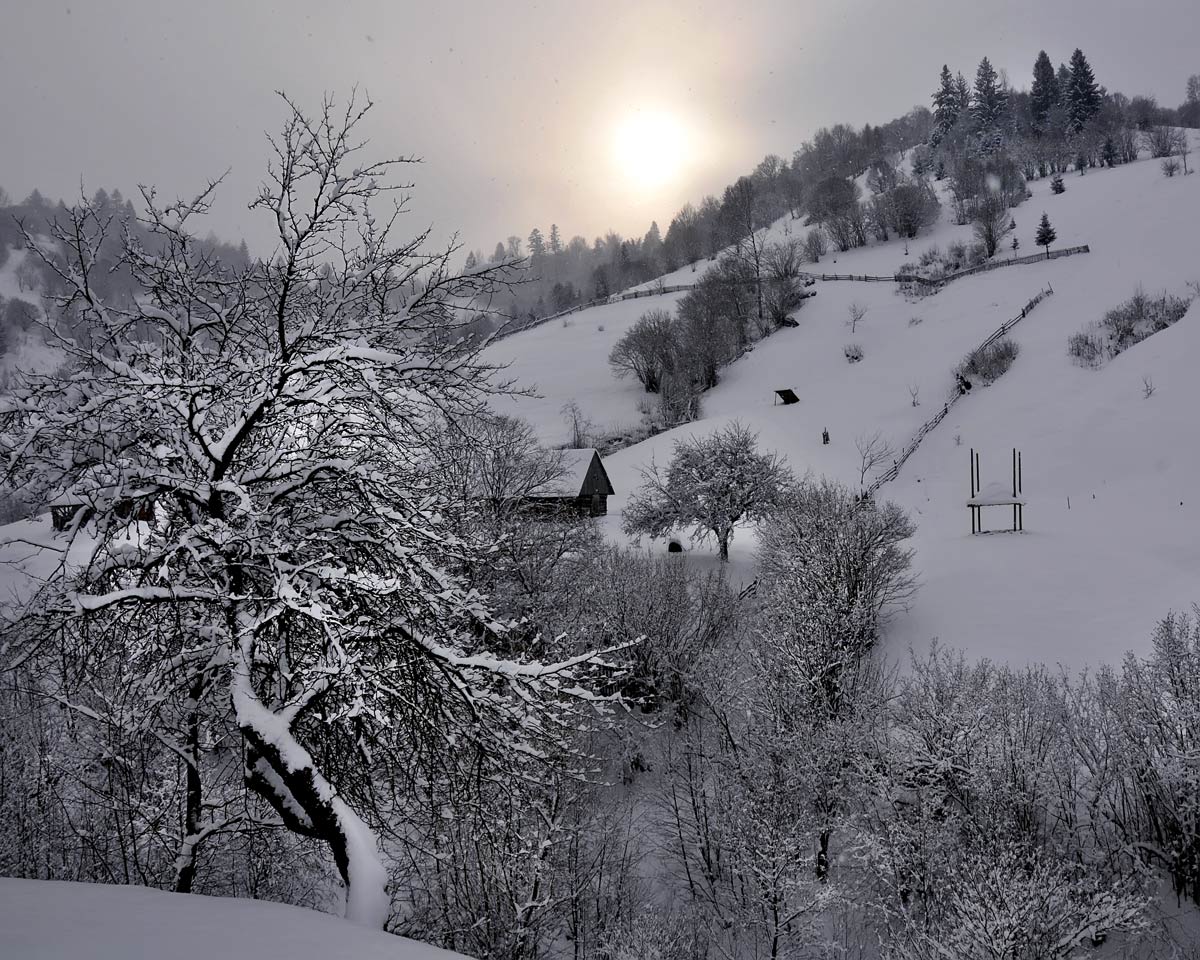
[[582, 474]]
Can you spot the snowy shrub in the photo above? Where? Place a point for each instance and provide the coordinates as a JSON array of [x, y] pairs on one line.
[[987, 364], [1124, 326], [815, 246], [828, 554], [1162, 141], [1170, 167], [1057, 185], [1086, 348], [853, 352]]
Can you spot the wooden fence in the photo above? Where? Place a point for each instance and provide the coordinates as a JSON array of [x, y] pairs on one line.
[[860, 278], [994, 265], [928, 425]]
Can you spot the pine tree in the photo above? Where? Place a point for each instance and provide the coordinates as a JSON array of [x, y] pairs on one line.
[[537, 244], [1110, 153], [1045, 234], [990, 100], [963, 92], [555, 239], [1045, 93], [1082, 95], [1057, 185], [945, 105]]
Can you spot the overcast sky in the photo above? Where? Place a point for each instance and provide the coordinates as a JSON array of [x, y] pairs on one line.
[[514, 105]]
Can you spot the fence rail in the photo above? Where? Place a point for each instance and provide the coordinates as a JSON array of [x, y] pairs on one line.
[[994, 265], [860, 278], [928, 425]]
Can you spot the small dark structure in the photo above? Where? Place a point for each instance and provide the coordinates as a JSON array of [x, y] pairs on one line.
[[582, 487], [825, 437], [996, 495], [674, 546], [787, 396], [63, 510]]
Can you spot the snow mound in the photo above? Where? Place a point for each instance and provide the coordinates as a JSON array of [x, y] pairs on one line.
[[50, 920]]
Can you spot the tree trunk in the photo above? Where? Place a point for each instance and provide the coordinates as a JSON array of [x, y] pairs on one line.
[[193, 809], [280, 770], [823, 856]]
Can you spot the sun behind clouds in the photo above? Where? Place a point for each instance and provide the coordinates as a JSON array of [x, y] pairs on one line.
[[651, 146]]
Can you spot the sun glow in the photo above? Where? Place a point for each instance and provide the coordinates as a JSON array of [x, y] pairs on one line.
[[650, 147]]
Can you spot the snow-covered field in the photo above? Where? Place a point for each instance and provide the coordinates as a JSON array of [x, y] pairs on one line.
[[1083, 583], [47, 920]]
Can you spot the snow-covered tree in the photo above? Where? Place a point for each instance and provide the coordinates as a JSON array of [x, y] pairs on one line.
[[945, 104], [989, 101], [1044, 93], [1082, 93], [712, 484], [991, 220], [261, 526], [1045, 234], [648, 349]]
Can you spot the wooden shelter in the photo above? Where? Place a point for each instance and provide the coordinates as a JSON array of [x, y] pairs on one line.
[[996, 494], [582, 486]]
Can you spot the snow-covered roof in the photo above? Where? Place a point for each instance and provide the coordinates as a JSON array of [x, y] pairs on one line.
[[995, 494]]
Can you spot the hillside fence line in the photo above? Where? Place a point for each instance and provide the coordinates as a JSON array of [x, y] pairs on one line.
[[928, 425], [656, 291], [997, 265]]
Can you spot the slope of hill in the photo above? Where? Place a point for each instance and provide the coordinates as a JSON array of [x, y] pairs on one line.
[[48, 920], [1081, 584]]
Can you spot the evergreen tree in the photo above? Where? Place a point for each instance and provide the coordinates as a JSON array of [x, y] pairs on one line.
[[471, 263], [962, 92], [945, 105], [652, 248], [1109, 154], [498, 254], [1082, 95], [1045, 93], [990, 101], [537, 243], [1045, 234], [1057, 185], [556, 245], [1063, 76]]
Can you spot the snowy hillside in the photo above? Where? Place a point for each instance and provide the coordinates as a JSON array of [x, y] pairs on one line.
[[1087, 582], [41, 920]]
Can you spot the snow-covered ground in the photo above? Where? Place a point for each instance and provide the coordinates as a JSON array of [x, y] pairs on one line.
[[48, 920], [1080, 585]]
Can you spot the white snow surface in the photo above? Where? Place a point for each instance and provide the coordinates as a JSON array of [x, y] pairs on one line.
[[51, 920], [1083, 583]]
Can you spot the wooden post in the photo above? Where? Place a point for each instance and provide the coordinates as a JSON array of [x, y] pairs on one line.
[[1020, 491]]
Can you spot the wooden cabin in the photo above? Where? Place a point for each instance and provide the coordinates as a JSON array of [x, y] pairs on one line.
[[63, 510], [582, 486]]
